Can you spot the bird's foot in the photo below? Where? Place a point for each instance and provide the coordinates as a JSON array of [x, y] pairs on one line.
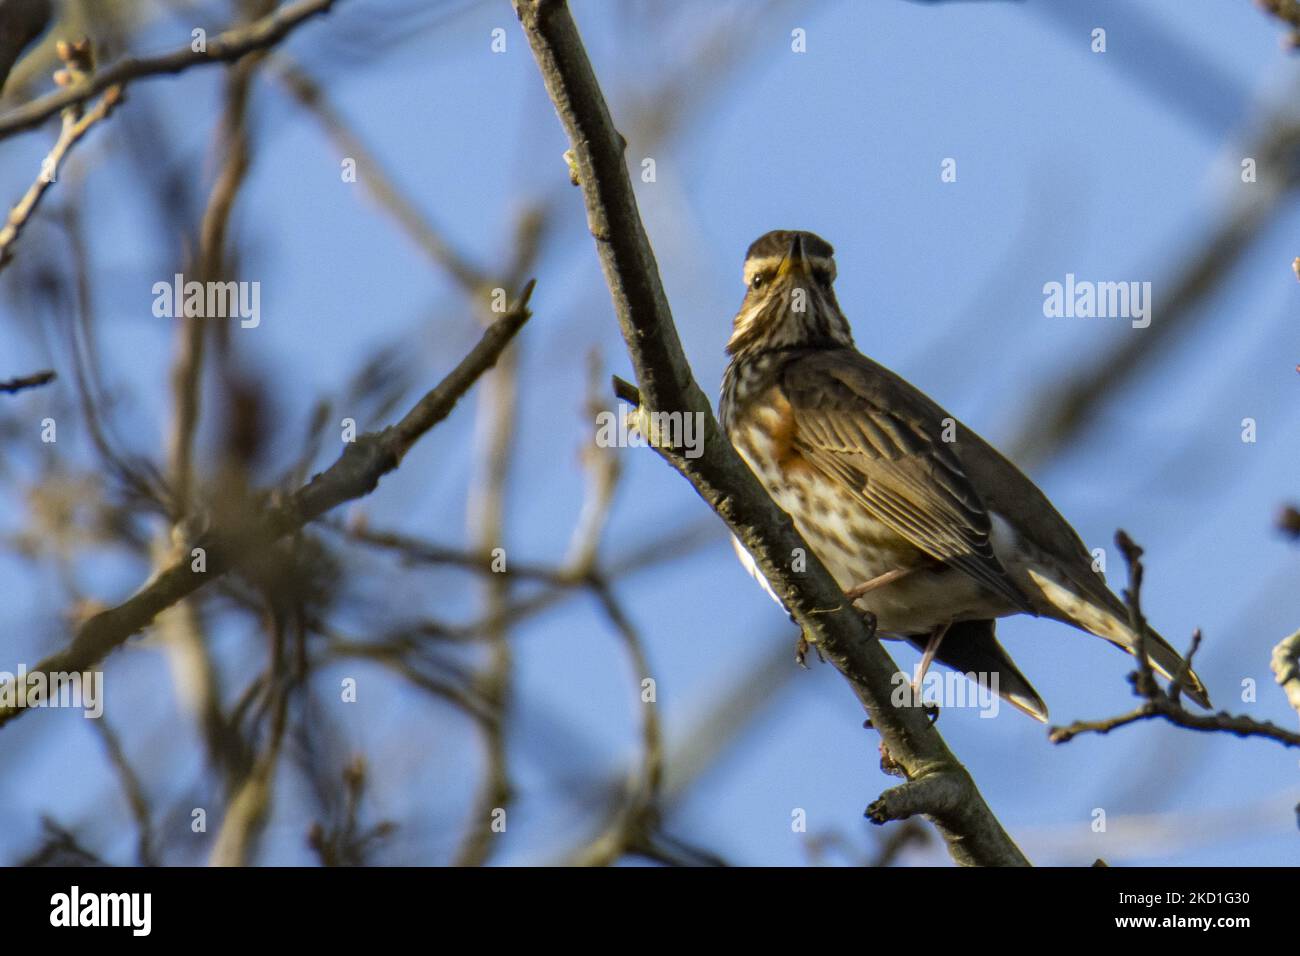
[[888, 764], [801, 650]]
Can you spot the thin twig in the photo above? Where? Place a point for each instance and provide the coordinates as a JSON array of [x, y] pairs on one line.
[[75, 127], [223, 48], [133, 790], [355, 475], [1157, 703], [370, 171], [35, 380]]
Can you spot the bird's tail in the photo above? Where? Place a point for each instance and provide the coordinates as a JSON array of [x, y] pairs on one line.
[[971, 648], [1166, 661], [1098, 611]]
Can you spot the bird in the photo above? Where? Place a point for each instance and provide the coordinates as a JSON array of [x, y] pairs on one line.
[[927, 528]]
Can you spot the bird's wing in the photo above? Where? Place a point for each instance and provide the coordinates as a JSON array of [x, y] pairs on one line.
[[881, 440]]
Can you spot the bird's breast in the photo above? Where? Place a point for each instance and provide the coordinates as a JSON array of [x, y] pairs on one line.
[[845, 535]]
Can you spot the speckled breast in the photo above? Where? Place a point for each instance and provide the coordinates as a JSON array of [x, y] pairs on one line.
[[849, 540]]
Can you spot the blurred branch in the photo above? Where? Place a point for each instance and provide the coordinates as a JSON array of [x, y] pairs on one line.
[[888, 848], [1288, 522], [1188, 82], [1158, 703], [1069, 406], [60, 848], [83, 347], [371, 172], [21, 22], [78, 64], [35, 380], [181, 627], [496, 418], [133, 790], [224, 47], [633, 826], [249, 807], [943, 788], [1288, 11], [344, 842], [603, 468], [231, 141], [354, 475]]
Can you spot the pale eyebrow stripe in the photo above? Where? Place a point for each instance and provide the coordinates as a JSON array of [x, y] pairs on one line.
[[772, 262]]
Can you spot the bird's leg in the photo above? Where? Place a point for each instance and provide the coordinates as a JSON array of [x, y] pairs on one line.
[[927, 657], [878, 581], [801, 650]]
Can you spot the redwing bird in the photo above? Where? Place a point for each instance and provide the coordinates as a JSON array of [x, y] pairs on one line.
[[919, 519]]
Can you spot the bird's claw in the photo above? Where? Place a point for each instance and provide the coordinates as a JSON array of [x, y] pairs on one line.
[[801, 650]]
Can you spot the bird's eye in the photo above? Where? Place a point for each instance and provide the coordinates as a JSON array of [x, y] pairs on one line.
[[823, 276], [757, 281]]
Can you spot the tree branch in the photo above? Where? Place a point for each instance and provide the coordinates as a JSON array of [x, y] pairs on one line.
[[23, 382], [1288, 11], [223, 48], [354, 475], [973, 834], [1156, 702], [75, 127]]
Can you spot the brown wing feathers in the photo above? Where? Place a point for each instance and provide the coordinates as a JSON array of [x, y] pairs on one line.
[[896, 467]]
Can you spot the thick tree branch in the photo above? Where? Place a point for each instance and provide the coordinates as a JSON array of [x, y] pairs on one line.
[[223, 48], [719, 476], [354, 475]]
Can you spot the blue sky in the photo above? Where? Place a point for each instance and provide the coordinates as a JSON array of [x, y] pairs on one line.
[[1068, 161]]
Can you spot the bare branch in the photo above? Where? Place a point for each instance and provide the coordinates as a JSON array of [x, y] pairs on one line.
[[1288, 11], [356, 474], [75, 126], [1166, 705], [223, 48], [35, 380], [381, 186], [666, 384]]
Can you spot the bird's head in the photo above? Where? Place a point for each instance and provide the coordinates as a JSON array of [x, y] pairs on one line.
[[789, 296]]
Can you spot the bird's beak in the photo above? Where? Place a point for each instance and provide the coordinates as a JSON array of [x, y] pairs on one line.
[[794, 262]]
